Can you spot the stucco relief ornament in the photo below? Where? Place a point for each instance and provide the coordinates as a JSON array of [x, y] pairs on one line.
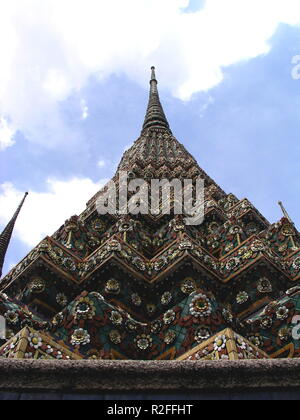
[[113, 287], [188, 286], [258, 246], [200, 306], [69, 264], [186, 245], [161, 263], [232, 264], [139, 263], [114, 246], [80, 337], [264, 285], [37, 285]]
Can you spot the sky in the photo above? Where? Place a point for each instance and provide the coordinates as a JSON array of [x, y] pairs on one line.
[[74, 85]]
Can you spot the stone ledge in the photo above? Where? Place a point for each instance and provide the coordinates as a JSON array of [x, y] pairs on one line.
[[130, 376]]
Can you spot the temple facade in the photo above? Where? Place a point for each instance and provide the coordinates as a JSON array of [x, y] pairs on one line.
[[151, 287]]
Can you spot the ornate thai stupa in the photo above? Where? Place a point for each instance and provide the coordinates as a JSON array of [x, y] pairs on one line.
[[145, 287]]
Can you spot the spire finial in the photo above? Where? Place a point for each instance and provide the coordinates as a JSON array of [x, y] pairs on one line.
[[6, 235], [153, 75], [155, 116]]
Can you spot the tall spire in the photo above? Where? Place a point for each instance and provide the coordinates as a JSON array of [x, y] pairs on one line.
[[6, 235], [155, 117]]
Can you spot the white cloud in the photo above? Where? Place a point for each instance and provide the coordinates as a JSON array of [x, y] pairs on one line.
[[43, 213], [7, 134], [101, 164], [84, 109], [50, 48]]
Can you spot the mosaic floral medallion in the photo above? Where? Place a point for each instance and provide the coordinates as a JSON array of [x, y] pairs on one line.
[[80, 337], [170, 337], [12, 317], [258, 246], [200, 306], [3, 296], [220, 343], [241, 344], [166, 298], [213, 228], [113, 287], [116, 318], [251, 228], [136, 299], [62, 299], [99, 226], [85, 309], [256, 340], [266, 323], [202, 334], [228, 316], [143, 342], [156, 327], [282, 313], [242, 298], [58, 319], [285, 334], [188, 286], [151, 309], [287, 230], [130, 325], [296, 264], [115, 337], [169, 317], [35, 341]]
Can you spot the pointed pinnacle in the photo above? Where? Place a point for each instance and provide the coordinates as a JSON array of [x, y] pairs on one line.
[[6, 235], [155, 116]]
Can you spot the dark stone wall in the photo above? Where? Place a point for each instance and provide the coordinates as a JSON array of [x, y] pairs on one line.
[[130, 380]]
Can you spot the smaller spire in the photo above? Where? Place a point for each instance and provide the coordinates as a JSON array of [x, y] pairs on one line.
[[155, 116], [286, 215], [6, 235]]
